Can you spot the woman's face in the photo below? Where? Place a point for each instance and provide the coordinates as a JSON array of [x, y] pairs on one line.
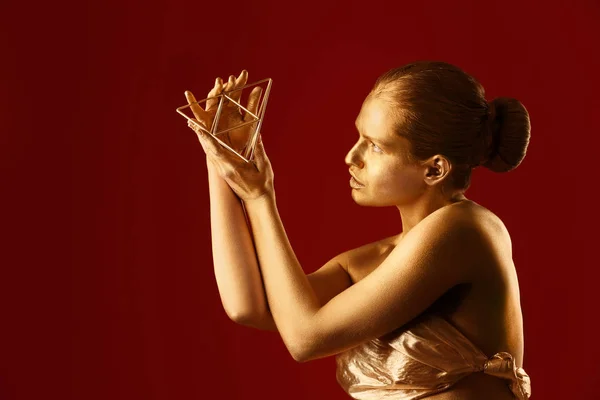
[[379, 160]]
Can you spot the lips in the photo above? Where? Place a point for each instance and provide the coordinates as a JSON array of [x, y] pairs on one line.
[[357, 181]]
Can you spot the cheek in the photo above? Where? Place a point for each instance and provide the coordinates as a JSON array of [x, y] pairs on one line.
[[398, 180]]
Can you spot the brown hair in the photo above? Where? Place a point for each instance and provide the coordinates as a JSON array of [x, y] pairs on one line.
[[441, 109]]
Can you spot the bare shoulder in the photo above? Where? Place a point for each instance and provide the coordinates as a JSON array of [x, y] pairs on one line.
[[488, 224], [475, 234], [484, 240], [477, 227], [468, 215]]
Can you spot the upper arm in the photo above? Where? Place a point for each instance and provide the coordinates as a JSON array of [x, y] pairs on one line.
[[331, 279], [431, 259]]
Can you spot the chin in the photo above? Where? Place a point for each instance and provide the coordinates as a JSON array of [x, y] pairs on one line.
[[365, 200]]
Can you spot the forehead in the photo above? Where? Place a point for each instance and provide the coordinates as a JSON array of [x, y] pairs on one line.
[[373, 112], [375, 121]]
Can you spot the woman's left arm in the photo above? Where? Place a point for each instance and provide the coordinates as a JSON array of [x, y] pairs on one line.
[[433, 257]]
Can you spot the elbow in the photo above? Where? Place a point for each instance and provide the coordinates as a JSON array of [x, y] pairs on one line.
[[303, 342], [243, 318], [301, 351], [310, 347], [250, 320], [300, 357]]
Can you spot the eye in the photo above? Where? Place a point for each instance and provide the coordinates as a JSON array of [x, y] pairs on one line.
[[376, 148]]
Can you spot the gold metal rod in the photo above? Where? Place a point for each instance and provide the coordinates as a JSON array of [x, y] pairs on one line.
[[248, 151]]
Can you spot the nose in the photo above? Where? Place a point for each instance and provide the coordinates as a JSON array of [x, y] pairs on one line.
[[352, 158]]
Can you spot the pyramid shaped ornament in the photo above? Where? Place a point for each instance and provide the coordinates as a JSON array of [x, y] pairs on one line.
[[235, 127]]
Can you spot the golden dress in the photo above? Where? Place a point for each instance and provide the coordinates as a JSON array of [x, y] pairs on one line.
[[425, 357]]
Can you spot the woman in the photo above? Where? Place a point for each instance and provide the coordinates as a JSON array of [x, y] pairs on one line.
[[433, 312]]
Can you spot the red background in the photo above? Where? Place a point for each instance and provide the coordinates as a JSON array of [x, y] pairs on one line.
[[107, 288]]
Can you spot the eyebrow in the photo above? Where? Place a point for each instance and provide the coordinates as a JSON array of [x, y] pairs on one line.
[[380, 141]]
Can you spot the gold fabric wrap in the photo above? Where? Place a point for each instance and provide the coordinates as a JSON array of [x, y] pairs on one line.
[[422, 358]]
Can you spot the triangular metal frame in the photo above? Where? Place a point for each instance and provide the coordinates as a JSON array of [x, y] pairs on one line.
[[248, 154]]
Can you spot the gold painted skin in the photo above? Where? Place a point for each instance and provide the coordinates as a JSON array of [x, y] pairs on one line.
[[453, 259]]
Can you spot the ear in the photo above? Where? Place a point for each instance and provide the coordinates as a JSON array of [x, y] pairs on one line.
[[437, 169]]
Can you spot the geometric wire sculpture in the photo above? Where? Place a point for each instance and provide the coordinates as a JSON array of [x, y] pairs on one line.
[[229, 103]]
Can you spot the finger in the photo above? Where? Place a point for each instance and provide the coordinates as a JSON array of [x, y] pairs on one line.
[[230, 84], [211, 102], [215, 91], [204, 124], [253, 101], [240, 82], [198, 111]]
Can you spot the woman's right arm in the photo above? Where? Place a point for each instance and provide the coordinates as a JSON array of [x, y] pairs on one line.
[[234, 258], [236, 267], [235, 263]]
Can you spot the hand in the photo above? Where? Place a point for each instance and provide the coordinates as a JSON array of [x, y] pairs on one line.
[[249, 180], [231, 114]]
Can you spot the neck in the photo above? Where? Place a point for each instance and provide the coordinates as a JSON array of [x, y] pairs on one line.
[[413, 213]]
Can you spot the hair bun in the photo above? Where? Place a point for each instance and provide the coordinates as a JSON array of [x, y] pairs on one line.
[[509, 130]]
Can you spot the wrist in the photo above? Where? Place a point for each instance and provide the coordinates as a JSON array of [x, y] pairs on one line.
[[266, 197], [212, 168]]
